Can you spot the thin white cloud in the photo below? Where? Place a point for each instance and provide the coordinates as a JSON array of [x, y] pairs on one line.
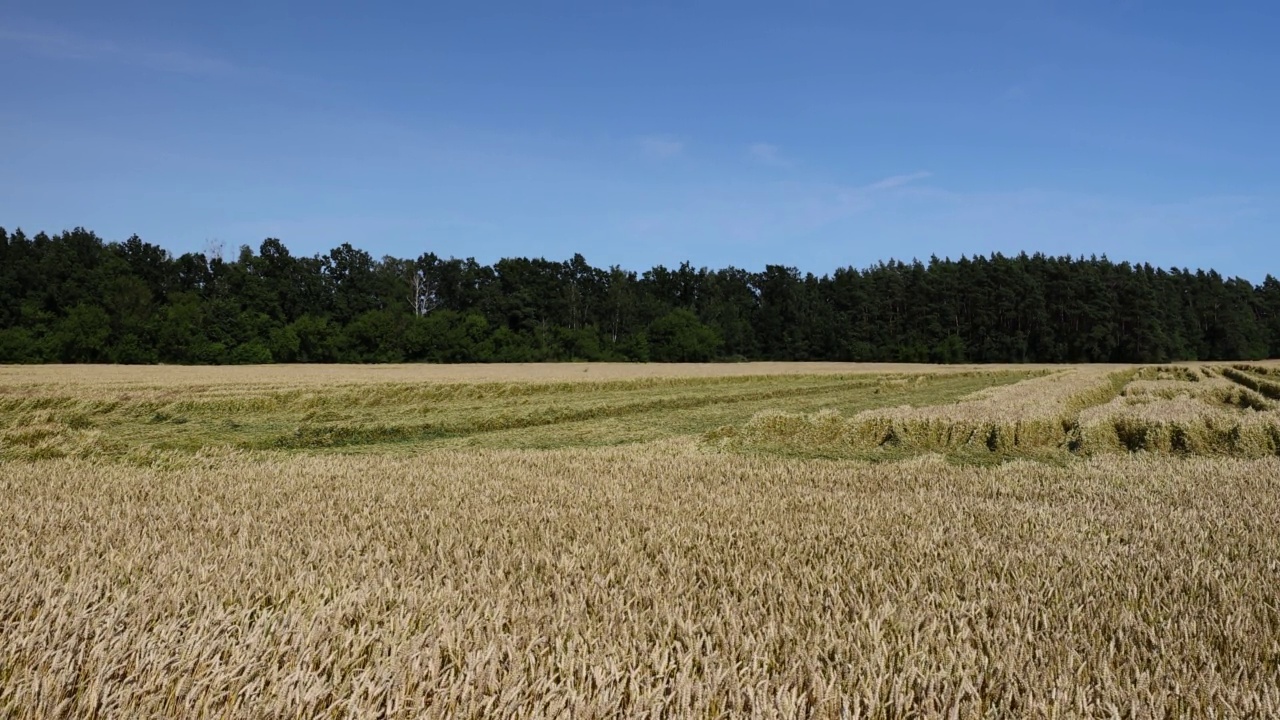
[[661, 146], [894, 181], [767, 154], [63, 45]]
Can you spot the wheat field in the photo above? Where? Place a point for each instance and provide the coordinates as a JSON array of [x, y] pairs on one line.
[[1055, 414], [185, 376], [348, 544]]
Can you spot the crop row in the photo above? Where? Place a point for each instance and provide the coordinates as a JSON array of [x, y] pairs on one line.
[[1168, 409]]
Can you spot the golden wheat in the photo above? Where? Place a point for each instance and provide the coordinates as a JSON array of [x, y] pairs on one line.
[[1170, 409], [1036, 413], [1254, 378], [1212, 388], [653, 581], [89, 418], [1183, 424], [160, 562], [187, 378]]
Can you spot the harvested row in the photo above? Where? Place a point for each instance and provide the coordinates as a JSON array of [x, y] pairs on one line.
[[1265, 370], [1184, 425], [1212, 388], [113, 423], [1243, 375], [1211, 416], [1034, 414], [1163, 409], [1173, 373]]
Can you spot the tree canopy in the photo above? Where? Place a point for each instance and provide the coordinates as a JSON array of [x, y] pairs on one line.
[[73, 297]]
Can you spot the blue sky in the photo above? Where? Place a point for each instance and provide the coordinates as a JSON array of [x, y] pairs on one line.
[[818, 134]]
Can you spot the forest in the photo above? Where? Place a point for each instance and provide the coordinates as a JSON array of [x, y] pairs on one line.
[[76, 298]]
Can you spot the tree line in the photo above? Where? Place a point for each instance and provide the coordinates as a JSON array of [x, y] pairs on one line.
[[72, 297]]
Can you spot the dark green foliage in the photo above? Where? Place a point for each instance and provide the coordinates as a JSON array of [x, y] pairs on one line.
[[679, 336], [74, 298], [251, 353]]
